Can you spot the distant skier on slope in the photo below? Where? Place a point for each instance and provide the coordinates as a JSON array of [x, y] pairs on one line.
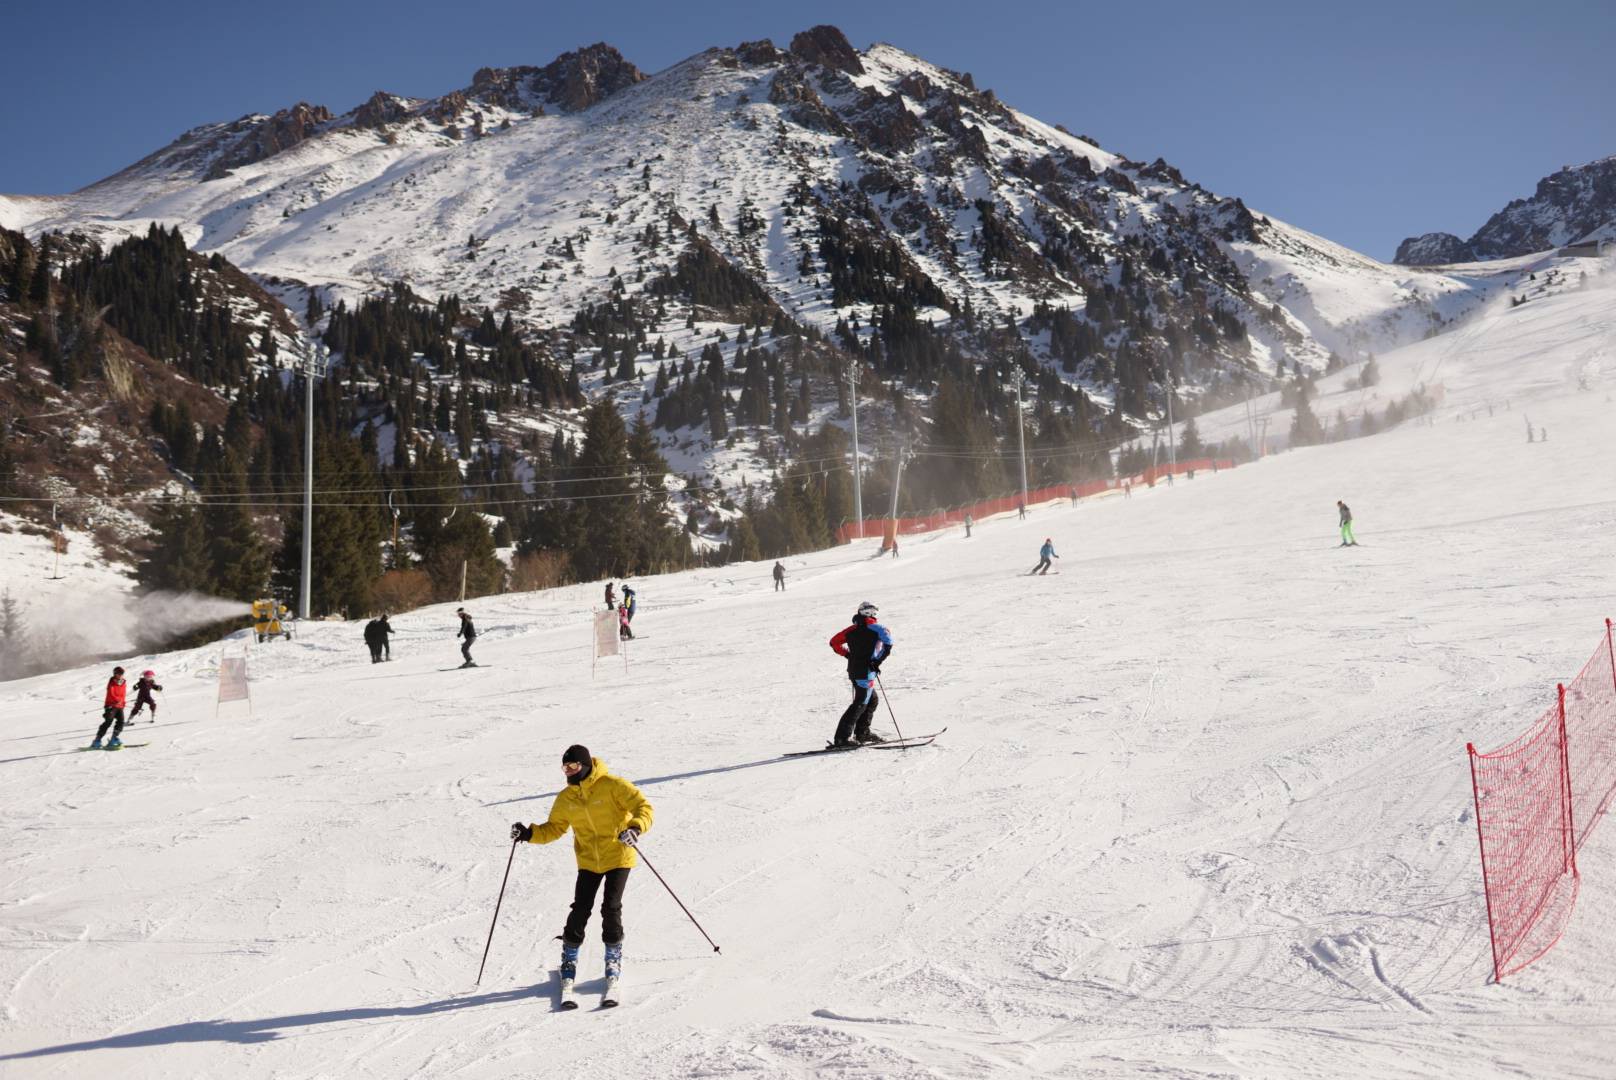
[[112, 705], [1045, 553], [630, 602], [968, 524], [143, 695], [468, 630], [865, 644], [1347, 539], [384, 630], [611, 596], [606, 814], [624, 631], [779, 577]]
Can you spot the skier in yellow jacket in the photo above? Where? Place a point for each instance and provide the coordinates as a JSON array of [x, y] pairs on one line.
[[606, 814]]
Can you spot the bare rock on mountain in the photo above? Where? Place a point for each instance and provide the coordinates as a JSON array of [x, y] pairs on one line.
[[576, 80], [381, 109], [1433, 249], [829, 48], [260, 137]]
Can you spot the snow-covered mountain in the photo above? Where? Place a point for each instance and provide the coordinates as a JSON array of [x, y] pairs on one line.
[[546, 188], [1576, 205]]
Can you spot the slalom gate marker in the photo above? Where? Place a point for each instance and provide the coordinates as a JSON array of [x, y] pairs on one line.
[[233, 681], [606, 640], [1537, 799]]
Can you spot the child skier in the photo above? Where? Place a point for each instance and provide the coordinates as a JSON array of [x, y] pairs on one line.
[[112, 711], [623, 631], [143, 695], [469, 632], [606, 814], [865, 644]]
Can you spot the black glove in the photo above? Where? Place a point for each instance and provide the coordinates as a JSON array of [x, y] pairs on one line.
[[522, 832], [628, 836]]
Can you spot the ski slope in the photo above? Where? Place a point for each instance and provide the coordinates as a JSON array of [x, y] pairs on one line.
[[1202, 808]]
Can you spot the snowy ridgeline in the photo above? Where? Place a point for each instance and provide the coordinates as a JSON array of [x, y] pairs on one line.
[[1202, 807]]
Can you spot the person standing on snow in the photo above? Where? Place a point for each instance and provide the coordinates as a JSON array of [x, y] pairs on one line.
[[373, 640], [143, 695], [779, 578], [1045, 553], [112, 711], [384, 630], [606, 814], [865, 644], [968, 526], [624, 633], [469, 632], [1347, 539], [611, 596], [630, 603]]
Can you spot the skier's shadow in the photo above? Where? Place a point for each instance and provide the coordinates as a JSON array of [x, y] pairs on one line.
[[783, 758], [270, 1028]]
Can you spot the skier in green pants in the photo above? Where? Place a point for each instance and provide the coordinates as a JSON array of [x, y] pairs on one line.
[[1347, 539]]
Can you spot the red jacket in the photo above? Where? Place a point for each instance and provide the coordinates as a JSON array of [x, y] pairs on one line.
[[117, 691]]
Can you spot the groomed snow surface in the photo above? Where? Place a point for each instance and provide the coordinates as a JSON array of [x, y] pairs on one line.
[[1202, 808]]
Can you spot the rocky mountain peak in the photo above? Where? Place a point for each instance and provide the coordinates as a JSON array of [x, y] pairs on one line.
[[259, 137], [829, 48]]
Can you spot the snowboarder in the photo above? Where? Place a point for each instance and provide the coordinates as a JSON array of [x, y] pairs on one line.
[[624, 632], [1347, 539], [112, 711], [606, 814], [143, 695], [373, 640], [385, 631], [779, 578], [469, 632], [1045, 553], [611, 596], [866, 644], [968, 524]]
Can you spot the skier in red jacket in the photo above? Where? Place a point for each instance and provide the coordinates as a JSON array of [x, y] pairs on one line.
[[112, 711]]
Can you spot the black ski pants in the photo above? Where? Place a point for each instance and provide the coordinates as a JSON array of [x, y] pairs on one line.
[[611, 906], [144, 702], [465, 649], [375, 651], [856, 720], [1042, 567], [111, 717]]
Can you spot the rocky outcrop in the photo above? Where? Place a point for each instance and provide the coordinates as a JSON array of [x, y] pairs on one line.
[[576, 80], [758, 53], [379, 110], [789, 90], [1433, 249], [260, 137], [827, 47]]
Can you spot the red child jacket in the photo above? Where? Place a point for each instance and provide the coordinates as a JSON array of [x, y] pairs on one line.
[[117, 692]]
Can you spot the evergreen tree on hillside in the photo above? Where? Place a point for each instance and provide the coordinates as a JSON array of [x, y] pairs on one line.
[[237, 553], [346, 560], [604, 497], [179, 560]]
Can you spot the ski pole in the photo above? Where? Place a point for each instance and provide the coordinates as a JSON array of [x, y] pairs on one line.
[[890, 713], [497, 903], [675, 896]]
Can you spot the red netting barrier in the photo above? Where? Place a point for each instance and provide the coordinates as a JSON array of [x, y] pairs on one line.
[[1590, 720], [942, 519], [1528, 859]]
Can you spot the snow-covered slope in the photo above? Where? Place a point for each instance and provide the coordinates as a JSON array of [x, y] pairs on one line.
[[1201, 810]]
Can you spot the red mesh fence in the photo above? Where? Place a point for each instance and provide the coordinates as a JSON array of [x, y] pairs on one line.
[[1590, 720], [942, 519], [1528, 859]]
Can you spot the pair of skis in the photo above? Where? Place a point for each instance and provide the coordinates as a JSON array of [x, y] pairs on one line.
[[608, 999], [894, 744]]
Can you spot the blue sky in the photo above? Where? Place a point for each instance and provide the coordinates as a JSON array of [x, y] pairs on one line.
[[1365, 122]]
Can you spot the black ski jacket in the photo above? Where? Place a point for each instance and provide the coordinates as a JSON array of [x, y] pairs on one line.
[[467, 631]]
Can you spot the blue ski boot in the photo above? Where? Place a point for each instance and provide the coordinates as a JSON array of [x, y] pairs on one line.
[[115, 744], [569, 972], [614, 972]]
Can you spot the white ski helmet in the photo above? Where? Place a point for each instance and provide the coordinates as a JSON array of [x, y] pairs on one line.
[[867, 610]]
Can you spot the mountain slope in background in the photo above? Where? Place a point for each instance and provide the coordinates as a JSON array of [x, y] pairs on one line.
[[1576, 205]]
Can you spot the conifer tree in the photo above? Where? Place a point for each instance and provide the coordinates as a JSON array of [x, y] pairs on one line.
[[179, 560]]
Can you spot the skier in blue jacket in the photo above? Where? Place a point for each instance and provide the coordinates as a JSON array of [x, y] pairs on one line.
[[1045, 553], [865, 644]]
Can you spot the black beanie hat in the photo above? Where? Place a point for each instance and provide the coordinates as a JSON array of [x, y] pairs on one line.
[[580, 754]]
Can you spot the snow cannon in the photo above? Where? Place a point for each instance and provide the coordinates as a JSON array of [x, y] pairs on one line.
[[267, 616]]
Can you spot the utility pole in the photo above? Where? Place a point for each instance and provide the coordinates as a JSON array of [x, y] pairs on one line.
[[313, 366], [1172, 440], [1251, 425], [858, 483], [897, 479], [1018, 378]]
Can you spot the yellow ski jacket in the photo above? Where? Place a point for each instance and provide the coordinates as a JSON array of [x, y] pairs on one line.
[[596, 811]]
